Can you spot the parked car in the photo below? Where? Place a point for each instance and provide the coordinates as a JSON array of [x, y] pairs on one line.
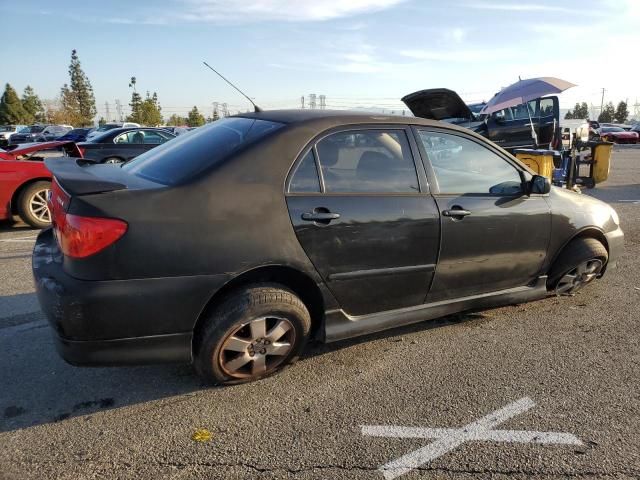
[[7, 130], [110, 126], [25, 180], [254, 233], [618, 135], [76, 135], [176, 130], [119, 145], [39, 133], [510, 128]]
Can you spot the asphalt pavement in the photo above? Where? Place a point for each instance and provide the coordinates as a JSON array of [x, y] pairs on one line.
[[547, 390]]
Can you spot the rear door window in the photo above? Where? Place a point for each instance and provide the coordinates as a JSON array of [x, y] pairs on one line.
[[188, 155], [372, 161]]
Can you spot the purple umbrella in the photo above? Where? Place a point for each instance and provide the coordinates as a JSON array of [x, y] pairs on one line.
[[525, 90]]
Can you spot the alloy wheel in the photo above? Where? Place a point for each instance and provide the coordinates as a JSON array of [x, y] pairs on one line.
[[38, 205], [257, 347], [575, 279]]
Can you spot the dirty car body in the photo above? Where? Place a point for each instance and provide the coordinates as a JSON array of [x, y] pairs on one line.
[[353, 214]]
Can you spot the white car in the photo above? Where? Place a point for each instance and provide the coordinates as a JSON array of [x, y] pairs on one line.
[[7, 130], [110, 126]]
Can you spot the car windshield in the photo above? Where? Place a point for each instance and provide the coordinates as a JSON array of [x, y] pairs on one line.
[[77, 131], [612, 129], [187, 155], [33, 129]]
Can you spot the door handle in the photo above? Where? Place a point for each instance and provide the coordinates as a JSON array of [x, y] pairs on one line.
[[320, 216], [456, 212]]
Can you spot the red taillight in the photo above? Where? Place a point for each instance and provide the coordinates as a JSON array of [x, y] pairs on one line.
[[80, 236]]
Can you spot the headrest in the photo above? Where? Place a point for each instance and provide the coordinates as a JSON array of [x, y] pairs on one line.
[[328, 152]]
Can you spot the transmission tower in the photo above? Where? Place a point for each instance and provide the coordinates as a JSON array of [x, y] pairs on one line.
[[323, 102], [636, 109], [118, 110], [225, 110], [302, 102], [215, 110], [312, 100], [107, 113]]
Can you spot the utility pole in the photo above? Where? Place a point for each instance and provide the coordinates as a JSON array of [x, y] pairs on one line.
[[602, 102], [107, 113], [302, 102]]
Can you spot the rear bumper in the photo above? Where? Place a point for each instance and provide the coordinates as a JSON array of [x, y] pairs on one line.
[[175, 348], [118, 321], [615, 240]]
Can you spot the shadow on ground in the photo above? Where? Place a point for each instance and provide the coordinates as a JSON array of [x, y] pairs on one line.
[[39, 387]]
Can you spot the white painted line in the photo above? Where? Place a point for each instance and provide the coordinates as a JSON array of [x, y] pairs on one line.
[[28, 239], [635, 202], [449, 438]]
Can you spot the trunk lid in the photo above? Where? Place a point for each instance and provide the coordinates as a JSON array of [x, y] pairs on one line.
[[437, 104]]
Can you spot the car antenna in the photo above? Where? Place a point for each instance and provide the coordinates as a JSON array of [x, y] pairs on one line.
[[256, 108]]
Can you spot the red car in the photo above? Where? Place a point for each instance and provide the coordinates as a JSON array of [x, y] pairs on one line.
[[25, 181], [618, 135]]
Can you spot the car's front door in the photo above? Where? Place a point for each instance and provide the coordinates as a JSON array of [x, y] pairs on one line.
[[363, 215], [494, 237]]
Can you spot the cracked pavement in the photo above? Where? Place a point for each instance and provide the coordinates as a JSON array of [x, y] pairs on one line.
[[576, 357]]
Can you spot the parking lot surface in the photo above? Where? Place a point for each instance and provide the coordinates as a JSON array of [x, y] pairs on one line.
[[568, 366]]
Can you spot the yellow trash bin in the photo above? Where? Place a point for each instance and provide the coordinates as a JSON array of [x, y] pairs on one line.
[[601, 155], [540, 161]]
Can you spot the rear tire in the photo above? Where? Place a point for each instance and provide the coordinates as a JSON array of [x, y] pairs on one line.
[[252, 334], [581, 261], [32, 205]]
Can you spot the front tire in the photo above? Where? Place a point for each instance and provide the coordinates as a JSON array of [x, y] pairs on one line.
[[32, 205], [581, 261], [252, 334]]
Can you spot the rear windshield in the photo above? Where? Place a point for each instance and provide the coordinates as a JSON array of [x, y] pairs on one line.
[[187, 155]]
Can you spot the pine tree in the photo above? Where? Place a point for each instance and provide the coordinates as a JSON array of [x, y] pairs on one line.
[[569, 115], [622, 113], [150, 111], [135, 104], [607, 114], [195, 118], [82, 90], [69, 111], [12, 111], [32, 104], [176, 120], [584, 111]]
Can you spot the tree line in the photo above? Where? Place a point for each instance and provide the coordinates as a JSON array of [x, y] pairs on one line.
[[609, 113], [76, 105]]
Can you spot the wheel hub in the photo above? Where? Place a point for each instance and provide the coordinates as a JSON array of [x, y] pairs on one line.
[[576, 278], [257, 347]]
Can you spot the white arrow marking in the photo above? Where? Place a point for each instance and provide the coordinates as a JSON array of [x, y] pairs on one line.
[[450, 438]]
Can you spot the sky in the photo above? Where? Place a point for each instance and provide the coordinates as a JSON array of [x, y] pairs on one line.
[[359, 53]]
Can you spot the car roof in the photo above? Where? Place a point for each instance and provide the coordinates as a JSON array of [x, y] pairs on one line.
[[340, 116]]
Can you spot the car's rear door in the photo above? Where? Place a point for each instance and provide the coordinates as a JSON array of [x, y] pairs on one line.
[[362, 212], [494, 237]]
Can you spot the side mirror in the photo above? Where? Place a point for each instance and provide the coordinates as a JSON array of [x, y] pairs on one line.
[[499, 117], [539, 185]]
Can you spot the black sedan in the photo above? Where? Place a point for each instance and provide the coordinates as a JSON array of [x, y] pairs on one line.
[[119, 145], [76, 135], [232, 246]]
